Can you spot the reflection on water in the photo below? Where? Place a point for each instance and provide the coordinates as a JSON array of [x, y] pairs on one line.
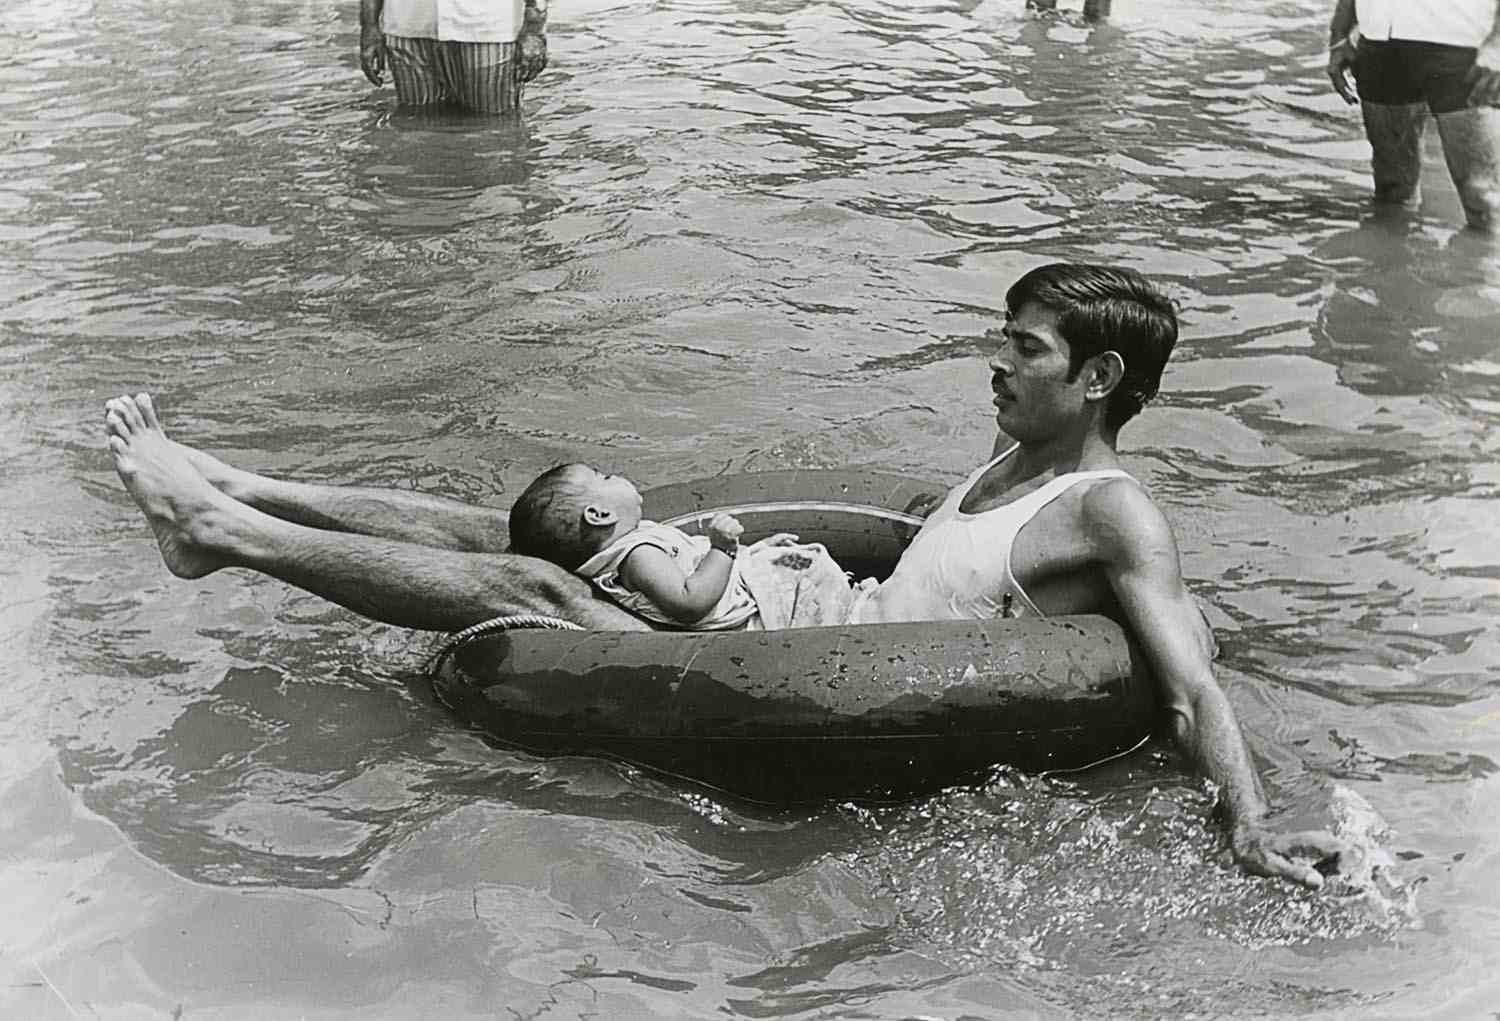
[[727, 234]]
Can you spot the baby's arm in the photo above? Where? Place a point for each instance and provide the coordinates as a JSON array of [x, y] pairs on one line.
[[685, 598]]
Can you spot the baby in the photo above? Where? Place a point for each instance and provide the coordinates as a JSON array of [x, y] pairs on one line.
[[590, 523]]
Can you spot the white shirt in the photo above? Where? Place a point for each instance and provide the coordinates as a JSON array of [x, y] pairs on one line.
[[958, 566], [1454, 22], [468, 21]]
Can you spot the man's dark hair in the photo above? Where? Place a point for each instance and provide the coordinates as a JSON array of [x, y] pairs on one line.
[[1103, 308], [546, 520]]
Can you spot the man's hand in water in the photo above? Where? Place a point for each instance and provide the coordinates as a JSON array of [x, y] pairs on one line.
[[1484, 76], [372, 53], [1293, 856], [1341, 70]]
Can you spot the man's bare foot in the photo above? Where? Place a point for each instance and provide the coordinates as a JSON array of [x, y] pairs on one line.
[[223, 477], [183, 508]]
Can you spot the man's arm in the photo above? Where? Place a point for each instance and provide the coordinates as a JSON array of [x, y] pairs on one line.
[[1139, 555], [371, 41], [531, 44], [1484, 78], [534, 17], [1341, 50]]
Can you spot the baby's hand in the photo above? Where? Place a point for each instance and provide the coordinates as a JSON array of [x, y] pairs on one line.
[[779, 539], [724, 533]]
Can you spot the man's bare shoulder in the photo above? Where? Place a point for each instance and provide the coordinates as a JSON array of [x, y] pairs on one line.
[[1123, 522]]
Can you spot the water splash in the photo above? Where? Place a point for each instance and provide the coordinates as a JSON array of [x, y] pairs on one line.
[[1095, 893]]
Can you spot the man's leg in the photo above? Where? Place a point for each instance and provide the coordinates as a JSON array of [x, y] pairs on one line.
[[200, 530], [1471, 146], [482, 76], [1393, 100], [365, 510], [415, 71], [1395, 134], [398, 514]]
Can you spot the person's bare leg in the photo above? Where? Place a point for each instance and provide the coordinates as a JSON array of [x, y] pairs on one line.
[[365, 510], [1395, 134], [1471, 146], [200, 530]]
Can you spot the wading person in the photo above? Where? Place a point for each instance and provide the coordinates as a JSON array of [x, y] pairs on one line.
[[474, 54], [1403, 59], [1093, 10], [1053, 525]]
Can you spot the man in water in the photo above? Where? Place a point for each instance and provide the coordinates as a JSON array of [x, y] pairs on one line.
[[1409, 57], [1051, 526], [475, 54], [1093, 10]]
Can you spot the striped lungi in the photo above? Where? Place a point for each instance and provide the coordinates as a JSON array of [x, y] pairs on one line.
[[477, 76]]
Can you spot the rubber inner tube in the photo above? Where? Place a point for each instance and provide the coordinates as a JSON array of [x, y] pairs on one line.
[[871, 712]]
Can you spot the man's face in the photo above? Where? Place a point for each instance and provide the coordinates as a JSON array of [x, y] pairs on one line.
[[1029, 374]]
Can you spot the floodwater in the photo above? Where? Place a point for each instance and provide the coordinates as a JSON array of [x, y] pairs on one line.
[[728, 235]]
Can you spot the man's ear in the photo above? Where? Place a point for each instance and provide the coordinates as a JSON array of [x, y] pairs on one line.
[[599, 517], [1108, 370]]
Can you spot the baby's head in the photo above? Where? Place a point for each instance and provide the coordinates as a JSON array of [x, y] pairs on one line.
[[571, 512]]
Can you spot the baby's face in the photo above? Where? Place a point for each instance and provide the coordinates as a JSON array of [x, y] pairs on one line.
[[615, 493]]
